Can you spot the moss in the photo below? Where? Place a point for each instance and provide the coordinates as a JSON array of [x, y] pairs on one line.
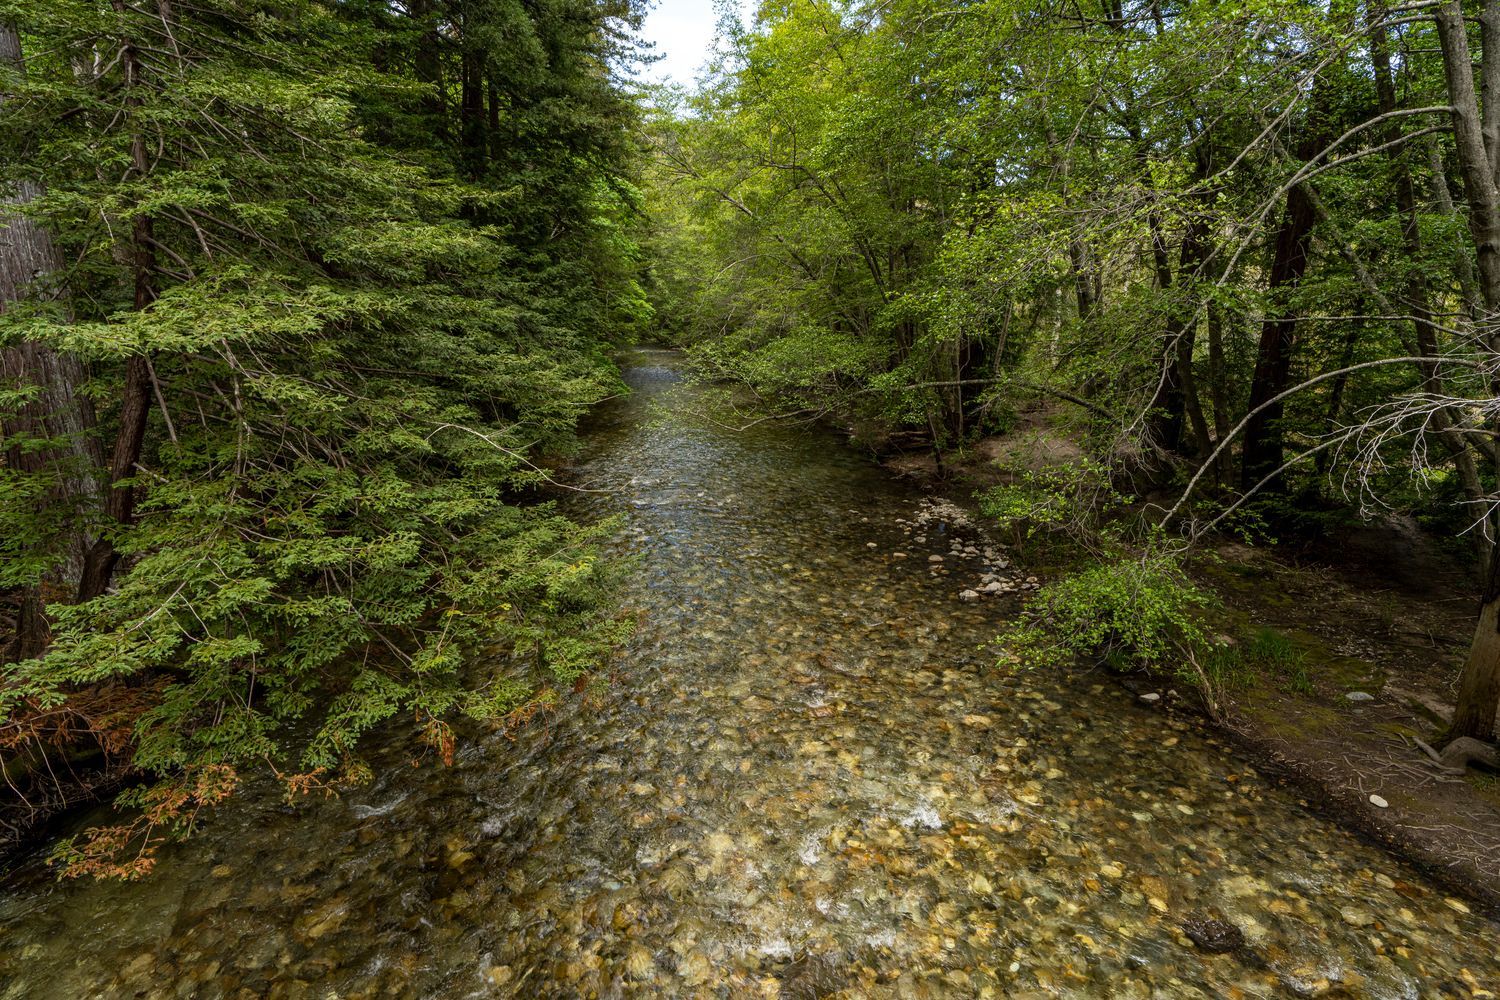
[[1485, 784], [1274, 715], [1399, 729]]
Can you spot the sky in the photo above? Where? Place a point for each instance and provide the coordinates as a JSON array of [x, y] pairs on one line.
[[683, 31]]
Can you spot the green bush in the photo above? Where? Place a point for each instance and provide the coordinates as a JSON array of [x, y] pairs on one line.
[[1139, 612]]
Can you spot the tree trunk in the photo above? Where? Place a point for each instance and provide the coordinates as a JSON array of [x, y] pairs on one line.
[[1176, 405], [1262, 453], [1479, 685], [471, 112], [58, 412], [119, 501], [1273, 358], [1416, 294], [1442, 198]]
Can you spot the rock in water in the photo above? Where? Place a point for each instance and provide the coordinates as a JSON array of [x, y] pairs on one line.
[[1360, 696], [1213, 934], [968, 595]]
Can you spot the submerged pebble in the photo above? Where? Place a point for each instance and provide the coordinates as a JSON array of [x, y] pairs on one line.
[[803, 779]]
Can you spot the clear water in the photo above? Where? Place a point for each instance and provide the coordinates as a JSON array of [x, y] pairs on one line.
[[804, 780]]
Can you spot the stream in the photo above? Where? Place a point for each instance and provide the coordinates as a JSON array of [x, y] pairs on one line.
[[805, 778]]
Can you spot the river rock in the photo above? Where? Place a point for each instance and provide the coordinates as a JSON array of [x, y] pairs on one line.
[[968, 595], [1359, 696], [934, 559], [1150, 696], [1212, 934]]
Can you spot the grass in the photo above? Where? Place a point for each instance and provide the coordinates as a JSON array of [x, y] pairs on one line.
[[1276, 653], [1227, 669]]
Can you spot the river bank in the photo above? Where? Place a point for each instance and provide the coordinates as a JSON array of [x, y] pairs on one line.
[[1372, 624], [803, 779]]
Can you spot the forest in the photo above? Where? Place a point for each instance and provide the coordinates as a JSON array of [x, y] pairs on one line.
[[316, 317], [297, 298], [1247, 251]]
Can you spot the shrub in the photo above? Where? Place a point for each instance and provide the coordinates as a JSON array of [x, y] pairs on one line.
[[1139, 612]]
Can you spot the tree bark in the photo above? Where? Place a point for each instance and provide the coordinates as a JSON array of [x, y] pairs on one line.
[[1176, 405], [1479, 684], [471, 110], [1273, 358], [58, 412], [1262, 454], [1415, 295], [135, 400]]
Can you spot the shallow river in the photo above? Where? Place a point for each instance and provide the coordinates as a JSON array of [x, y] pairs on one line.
[[804, 780]]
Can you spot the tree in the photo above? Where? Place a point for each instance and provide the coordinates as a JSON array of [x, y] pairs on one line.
[[337, 322], [1476, 133], [1201, 244], [48, 447]]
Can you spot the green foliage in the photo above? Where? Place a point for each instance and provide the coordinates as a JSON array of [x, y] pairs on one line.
[[1139, 612], [1269, 648], [370, 316], [1275, 653], [1224, 669], [1077, 497]]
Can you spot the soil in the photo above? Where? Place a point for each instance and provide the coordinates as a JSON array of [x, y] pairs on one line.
[[1364, 626], [1378, 609]]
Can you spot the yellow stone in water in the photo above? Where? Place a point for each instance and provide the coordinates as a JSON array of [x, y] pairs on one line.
[[1456, 904], [1112, 870], [1159, 905], [981, 885], [222, 871], [638, 963]]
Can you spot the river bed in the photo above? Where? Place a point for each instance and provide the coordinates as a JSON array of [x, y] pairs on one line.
[[805, 778]]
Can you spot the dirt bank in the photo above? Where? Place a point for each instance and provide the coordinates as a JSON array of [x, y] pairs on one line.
[[1370, 624]]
